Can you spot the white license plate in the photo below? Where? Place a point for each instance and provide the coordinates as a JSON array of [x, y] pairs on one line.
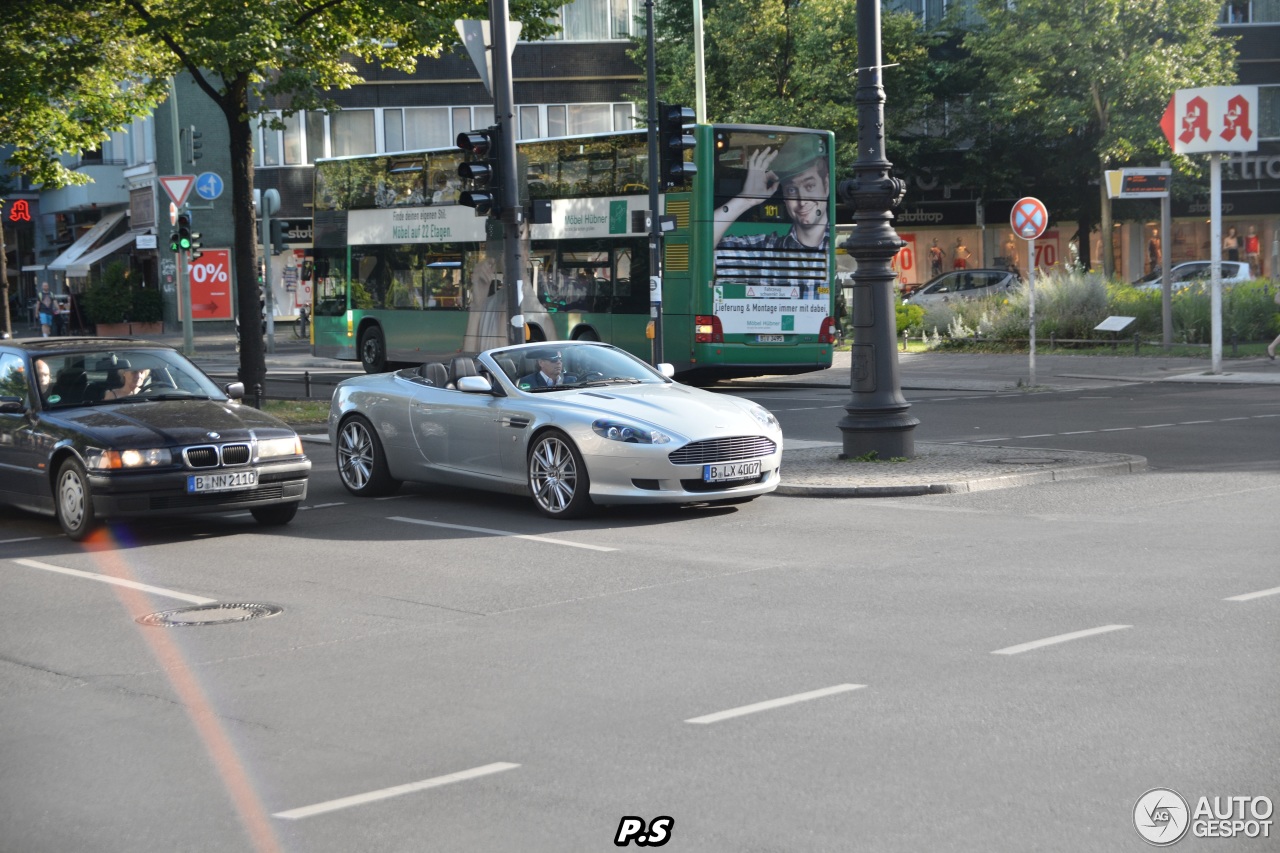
[[771, 339], [720, 472], [224, 482]]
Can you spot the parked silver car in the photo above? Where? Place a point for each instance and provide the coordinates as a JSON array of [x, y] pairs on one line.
[[964, 284], [571, 424], [1194, 273]]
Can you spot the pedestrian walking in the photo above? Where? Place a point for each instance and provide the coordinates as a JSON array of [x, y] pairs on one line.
[[46, 308]]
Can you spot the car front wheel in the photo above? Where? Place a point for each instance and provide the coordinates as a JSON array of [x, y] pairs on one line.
[[74, 501], [362, 463], [558, 478]]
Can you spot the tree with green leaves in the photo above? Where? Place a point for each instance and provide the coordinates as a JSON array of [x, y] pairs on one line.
[[72, 70], [1070, 89], [793, 63]]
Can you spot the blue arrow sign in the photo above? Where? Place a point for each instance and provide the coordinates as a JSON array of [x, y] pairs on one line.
[[208, 186]]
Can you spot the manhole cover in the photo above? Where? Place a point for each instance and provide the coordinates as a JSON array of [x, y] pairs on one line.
[[209, 614], [1031, 460]]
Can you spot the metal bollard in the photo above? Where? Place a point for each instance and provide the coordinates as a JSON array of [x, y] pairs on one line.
[[306, 384], [257, 395], [1051, 341]]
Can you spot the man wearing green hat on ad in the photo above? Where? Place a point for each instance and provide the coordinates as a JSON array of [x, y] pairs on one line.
[[800, 169]]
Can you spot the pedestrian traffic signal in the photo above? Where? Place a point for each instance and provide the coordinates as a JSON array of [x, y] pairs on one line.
[[180, 240], [279, 231], [675, 137], [482, 176]]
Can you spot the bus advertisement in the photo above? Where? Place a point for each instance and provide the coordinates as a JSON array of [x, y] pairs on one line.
[[402, 273]]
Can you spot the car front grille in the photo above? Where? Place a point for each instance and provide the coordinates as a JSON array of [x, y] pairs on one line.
[[723, 450], [212, 455]]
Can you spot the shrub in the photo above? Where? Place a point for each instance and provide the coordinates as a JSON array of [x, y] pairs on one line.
[[148, 305], [109, 299]]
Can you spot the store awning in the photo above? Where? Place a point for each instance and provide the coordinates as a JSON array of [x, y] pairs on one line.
[[80, 268], [86, 242]]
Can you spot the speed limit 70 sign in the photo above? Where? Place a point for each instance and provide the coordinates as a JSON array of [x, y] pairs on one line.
[[1029, 218]]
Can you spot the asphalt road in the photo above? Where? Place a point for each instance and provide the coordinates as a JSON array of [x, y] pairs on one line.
[[1006, 670]]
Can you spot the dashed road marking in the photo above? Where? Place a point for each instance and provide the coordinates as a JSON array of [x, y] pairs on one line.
[[1061, 638], [491, 532], [398, 790], [774, 703], [154, 590], [1249, 596]]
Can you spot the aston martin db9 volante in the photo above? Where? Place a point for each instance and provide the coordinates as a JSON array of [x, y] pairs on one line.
[[571, 424], [96, 428]]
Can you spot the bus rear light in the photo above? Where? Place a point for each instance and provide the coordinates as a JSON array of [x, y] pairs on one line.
[[707, 329], [828, 333]]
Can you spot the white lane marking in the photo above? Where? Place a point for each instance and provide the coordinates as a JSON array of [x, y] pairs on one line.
[[1155, 426], [493, 532], [1189, 423], [1061, 638], [982, 440], [154, 590], [1079, 432], [1118, 429], [1224, 420], [398, 790], [774, 703], [1267, 416], [318, 439], [1248, 596], [1039, 435], [21, 539], [391, 497], [322, 506]]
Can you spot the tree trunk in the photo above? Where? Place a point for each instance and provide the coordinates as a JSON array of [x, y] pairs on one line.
[[4, 287], [1108, 237], [253, 368]]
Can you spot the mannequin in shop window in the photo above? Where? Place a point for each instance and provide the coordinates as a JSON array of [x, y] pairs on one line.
[[1153, 251], [1253, 251], [1231, 245], [960, 255]]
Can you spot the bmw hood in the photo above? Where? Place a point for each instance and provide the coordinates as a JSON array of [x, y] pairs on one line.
[[172, 423]]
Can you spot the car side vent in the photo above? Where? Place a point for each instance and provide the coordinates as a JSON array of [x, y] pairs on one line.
[[235, 454], [201, 457]]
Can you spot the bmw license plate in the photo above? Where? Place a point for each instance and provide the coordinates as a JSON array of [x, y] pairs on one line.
[[721, 472], [223, 482], [771, 339]]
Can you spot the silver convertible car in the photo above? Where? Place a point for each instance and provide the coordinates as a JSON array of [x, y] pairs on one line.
[[571, 424]]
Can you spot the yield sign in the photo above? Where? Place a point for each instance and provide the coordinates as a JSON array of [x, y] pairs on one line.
[[178, 187], [1029, 217]]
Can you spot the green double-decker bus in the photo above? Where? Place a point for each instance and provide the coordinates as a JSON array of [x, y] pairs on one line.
[[403, 274]]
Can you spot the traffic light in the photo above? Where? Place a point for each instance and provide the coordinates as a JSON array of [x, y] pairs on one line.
[[279, 230], [482, 177], [194, 136], [181, 240], [675, 137]]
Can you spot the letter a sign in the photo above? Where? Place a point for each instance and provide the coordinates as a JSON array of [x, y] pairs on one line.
[[1212, 119]]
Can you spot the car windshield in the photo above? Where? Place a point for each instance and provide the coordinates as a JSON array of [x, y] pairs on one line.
[[557, 366], [122, 375]]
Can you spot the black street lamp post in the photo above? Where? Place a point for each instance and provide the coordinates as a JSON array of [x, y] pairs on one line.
[[876, 420]]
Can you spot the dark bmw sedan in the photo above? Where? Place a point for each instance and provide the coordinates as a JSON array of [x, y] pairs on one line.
[[97, 428]]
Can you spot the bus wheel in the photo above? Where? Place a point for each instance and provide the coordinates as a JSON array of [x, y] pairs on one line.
[[558, 478], [362, 463], [587, 335], [373, 350]]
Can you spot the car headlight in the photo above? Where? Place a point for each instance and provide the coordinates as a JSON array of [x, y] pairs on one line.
[[115, 460], [629, 433], [765, 417], [272, 448]]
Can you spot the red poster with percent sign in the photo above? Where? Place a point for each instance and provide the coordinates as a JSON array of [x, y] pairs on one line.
[[904, 264], [210, 276]]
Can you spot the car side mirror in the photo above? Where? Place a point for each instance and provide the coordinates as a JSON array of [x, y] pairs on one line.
[[12, 404], [474, 385], [666, 370], [234, 390]]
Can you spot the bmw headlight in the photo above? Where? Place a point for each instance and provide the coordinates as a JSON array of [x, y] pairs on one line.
[[116, 460], [273, 448], [629, 433], [764, 416]]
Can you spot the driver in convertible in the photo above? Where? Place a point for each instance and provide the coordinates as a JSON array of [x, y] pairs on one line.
[[550, 371]]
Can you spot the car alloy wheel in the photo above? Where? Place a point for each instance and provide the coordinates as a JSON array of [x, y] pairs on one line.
[[74, 500], [557, 477], [362, 464]]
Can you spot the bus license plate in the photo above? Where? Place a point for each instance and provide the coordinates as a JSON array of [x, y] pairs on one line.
[[224, 482], [771, 339], [721, 472]]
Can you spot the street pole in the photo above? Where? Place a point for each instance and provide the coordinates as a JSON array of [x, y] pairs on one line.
[[1166, 245], [1215, 263], [655, 220], [270, 207], [512, 210], [184, 281], [1031, 309], [876, 420]]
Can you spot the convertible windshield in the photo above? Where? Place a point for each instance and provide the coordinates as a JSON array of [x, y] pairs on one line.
[[122, 374], [555, 366]]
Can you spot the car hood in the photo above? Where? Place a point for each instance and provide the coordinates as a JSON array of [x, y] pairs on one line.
[[690, 411], [168, 422]]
